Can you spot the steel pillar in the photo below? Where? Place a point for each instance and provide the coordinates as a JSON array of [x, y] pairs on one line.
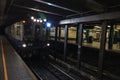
[[56, 34], [111, 36], [65, 42], [80, 37], [102, 50], [59, 35]]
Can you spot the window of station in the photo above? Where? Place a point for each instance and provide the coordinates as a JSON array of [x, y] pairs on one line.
[[62, 34], [91, 36], [72, 35], [52, 33], [113, 37]]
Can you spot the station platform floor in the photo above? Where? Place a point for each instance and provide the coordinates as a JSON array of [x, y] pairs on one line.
[[12, 67], [116, 47]]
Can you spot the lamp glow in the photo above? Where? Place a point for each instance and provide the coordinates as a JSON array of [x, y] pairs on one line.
[[48, 24], [44, 20], [32, 17], [38, 20], [48, 44], [24, 45], [34, 20], [108, 26], [41, 21]]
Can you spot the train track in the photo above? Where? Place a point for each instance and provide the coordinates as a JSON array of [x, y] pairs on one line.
[[48, 71]]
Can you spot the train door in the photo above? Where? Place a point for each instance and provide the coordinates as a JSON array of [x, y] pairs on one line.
[[39, 32]]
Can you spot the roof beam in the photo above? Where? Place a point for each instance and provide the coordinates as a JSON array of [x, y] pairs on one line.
[[99, 17], [57, 6], [37, 10], [95, 6]]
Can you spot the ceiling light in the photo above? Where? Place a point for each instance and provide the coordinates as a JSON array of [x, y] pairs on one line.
[[32, 17]]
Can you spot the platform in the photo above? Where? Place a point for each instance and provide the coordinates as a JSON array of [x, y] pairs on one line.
[[12, 67]]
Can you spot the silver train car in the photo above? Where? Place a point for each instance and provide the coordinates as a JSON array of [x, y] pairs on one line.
[[29, 37]]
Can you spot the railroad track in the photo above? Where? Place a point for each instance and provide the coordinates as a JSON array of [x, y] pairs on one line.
[[60, 74], [48, 71]]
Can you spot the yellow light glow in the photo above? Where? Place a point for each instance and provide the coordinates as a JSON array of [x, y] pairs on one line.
[[23, 21]]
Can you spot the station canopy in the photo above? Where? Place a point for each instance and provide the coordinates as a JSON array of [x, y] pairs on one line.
[[55, 10]]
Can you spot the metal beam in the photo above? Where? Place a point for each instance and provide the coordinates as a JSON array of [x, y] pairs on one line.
[[37, 10], [12, 1], [59, 35], [99, 17], [80, 34], [102, 50], [71, 15], [57, 6], [111, 36], [56, 34], [65, 42]]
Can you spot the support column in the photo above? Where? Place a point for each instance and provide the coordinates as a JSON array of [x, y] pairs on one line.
[[80, 37], [56, 33], [77, 34], [59, 33], [111, 36], [65, 42], [102, 50], [87, 35]]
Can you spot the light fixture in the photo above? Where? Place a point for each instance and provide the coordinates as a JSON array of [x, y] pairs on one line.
[[48, 44], [108, 26], [24, 45], [49, 3], [97, 26], [38, 20], [32, 17], [44, 20], [48, 24], [23, 21], [34, 20], [41, 21]]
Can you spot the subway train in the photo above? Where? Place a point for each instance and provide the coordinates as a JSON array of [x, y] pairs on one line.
[[29, 37]]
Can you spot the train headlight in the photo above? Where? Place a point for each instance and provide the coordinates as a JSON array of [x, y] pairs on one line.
[[48, 44], [24, 45]]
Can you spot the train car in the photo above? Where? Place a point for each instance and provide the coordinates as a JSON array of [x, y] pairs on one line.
[[29, 37]]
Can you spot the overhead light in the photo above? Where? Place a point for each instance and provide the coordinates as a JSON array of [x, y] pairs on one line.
[[108, 26], [97, 26], [49, 3], [48, 24], [34, 20], [23, 21], [38, 20], [32, 17], [44, 20], [41, 21]]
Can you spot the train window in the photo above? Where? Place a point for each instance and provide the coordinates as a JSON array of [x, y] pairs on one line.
[[18, 30]]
